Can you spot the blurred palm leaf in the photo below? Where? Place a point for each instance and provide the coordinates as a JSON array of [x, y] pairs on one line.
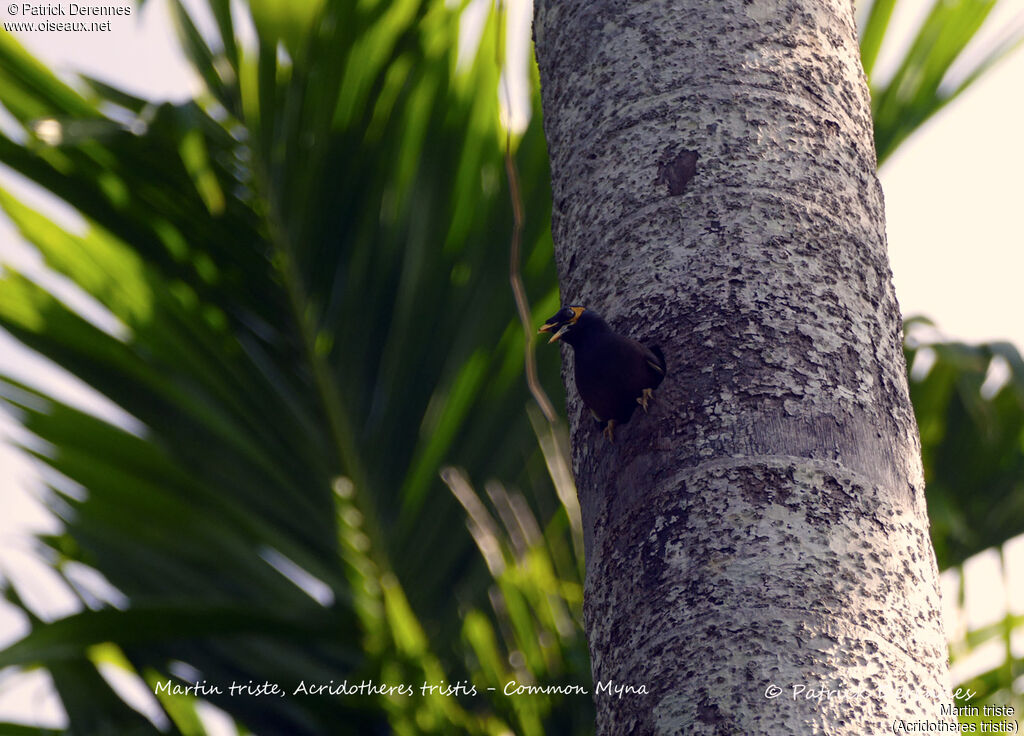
[[533, 632], [972, 439], [936, 68], [986, 661], [309, 320]]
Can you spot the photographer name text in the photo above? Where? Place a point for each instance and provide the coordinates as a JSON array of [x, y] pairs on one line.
[[66, 10]]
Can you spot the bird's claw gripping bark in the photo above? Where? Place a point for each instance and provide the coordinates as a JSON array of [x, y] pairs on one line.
[[645, 398], [608, 430]]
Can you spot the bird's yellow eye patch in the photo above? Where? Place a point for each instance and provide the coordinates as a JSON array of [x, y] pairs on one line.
[[576, 312]]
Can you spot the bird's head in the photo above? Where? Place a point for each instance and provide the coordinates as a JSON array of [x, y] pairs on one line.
[[568, 319]]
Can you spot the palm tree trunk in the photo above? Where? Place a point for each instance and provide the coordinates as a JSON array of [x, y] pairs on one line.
[[765, 526]]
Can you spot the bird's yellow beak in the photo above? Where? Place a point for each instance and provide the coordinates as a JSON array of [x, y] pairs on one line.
[[550, 326], [560, 332]]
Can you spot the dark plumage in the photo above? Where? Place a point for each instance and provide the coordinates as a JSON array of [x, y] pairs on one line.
[[614, 373]]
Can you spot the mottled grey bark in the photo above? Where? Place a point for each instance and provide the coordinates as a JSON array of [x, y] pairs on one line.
[[715, 193]]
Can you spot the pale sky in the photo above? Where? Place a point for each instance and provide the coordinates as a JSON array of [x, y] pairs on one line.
[[954, 204], [954, 196]]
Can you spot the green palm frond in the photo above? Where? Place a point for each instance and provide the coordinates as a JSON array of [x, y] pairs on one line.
[[938, 66], [311, 321], [972, 444]]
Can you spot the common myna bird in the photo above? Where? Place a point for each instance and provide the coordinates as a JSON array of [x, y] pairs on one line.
[[614, 373]]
